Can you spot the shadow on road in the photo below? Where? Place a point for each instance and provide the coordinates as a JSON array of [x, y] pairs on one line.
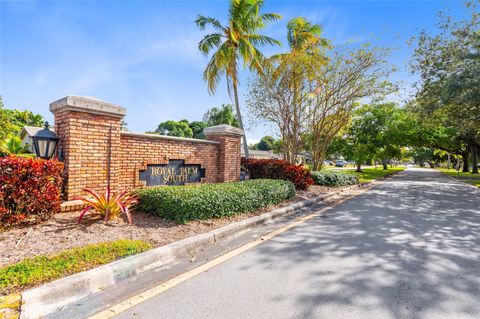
[[407, 249]]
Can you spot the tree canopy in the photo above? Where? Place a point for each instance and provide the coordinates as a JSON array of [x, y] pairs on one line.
[[448, 96]]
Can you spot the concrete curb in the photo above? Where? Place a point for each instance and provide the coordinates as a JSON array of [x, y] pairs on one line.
[[53, 296], [10, 306]]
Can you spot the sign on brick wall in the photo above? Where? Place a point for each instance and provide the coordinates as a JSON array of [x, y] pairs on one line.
[[176, 172]]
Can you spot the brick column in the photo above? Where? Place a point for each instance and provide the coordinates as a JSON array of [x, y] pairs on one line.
[[228, 163], [89, 132]]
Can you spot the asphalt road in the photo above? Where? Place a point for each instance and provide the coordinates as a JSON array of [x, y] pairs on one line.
[[409, 248]]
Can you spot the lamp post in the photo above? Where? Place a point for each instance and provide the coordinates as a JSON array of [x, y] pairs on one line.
[[45, 142]]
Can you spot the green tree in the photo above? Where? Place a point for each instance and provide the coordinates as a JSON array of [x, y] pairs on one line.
[[448, 63], [221, 115], [4, 123], [422, 155], [266, 143], [197, 128], [12, 121], [362, 136], [377, 132], [18, 119], [237, 41], [174, 128]]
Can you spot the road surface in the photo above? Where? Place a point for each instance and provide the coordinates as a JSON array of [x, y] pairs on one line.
[[409, 248]]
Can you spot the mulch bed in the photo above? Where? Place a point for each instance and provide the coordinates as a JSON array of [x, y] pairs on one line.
[[63, 231]]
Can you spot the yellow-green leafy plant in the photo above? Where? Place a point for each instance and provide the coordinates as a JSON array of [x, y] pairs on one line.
[[110, 206]]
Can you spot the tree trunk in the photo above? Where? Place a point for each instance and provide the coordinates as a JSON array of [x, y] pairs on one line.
[[384, 164], [465, 162], [240, 121], [474, 148], [359, 166]]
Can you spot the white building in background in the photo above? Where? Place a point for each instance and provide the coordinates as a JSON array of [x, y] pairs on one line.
[[262, 154]]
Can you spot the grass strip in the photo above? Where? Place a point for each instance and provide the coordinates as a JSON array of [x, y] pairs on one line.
[[370, 174], [473, 179], [40, 269]]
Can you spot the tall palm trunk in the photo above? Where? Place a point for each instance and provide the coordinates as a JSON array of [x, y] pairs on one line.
[[240, 121]]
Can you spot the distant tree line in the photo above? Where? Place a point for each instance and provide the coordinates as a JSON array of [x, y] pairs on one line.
[[183, 128]]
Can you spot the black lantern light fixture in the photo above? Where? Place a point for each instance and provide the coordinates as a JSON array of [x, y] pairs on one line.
[[45, 142]]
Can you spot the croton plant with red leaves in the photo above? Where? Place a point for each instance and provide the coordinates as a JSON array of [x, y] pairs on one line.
[[278, 169], [30, 188]]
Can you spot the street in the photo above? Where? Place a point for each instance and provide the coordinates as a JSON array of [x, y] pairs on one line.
[[408, 248]]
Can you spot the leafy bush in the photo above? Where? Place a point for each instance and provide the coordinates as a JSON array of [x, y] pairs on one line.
[[204, 201], [29, 187], [278, 169], [334, 178], [33, 271], [111, 205]]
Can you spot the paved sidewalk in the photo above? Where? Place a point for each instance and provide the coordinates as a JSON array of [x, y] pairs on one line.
[[409, 248]]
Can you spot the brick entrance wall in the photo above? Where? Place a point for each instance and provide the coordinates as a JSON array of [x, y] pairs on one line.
[[93, 147]]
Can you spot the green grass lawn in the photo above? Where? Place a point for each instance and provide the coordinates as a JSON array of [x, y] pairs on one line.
[[37, 270], [469, 178], [369, 174]]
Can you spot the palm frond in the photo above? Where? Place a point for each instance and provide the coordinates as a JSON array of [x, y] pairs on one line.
[[270, 17], [213, 73], [202, 22], [258, 39], [209, 42]]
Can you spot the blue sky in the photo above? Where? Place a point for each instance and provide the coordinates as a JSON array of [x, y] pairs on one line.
[[143, 55]]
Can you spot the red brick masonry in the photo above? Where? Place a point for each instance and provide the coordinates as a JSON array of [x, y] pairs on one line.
[[92, 144]]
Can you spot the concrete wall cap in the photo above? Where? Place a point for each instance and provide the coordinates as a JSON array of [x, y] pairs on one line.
[[87, 104], [223, 129], [166, 137]]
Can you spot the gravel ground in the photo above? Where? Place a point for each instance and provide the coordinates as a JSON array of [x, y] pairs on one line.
[[63, 231]]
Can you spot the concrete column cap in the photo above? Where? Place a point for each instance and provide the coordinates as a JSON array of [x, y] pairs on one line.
[[87, 104], [223, 129]]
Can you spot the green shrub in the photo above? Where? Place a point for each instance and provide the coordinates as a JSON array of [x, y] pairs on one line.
[[33, 271], [334, 178], [204, 201]]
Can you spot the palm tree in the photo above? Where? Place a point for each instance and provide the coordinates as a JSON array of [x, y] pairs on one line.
[[235, 42], [304, 36], [223, 115], [14, 146]]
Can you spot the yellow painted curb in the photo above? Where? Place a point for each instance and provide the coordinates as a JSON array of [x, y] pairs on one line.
[[10, 306]]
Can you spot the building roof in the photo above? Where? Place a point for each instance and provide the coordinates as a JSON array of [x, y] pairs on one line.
[[31, 130], [254, 153]]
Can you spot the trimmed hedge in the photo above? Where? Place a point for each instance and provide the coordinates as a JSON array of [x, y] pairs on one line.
[[334, 178], [278, 169], [29, 187], [204, 201]]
